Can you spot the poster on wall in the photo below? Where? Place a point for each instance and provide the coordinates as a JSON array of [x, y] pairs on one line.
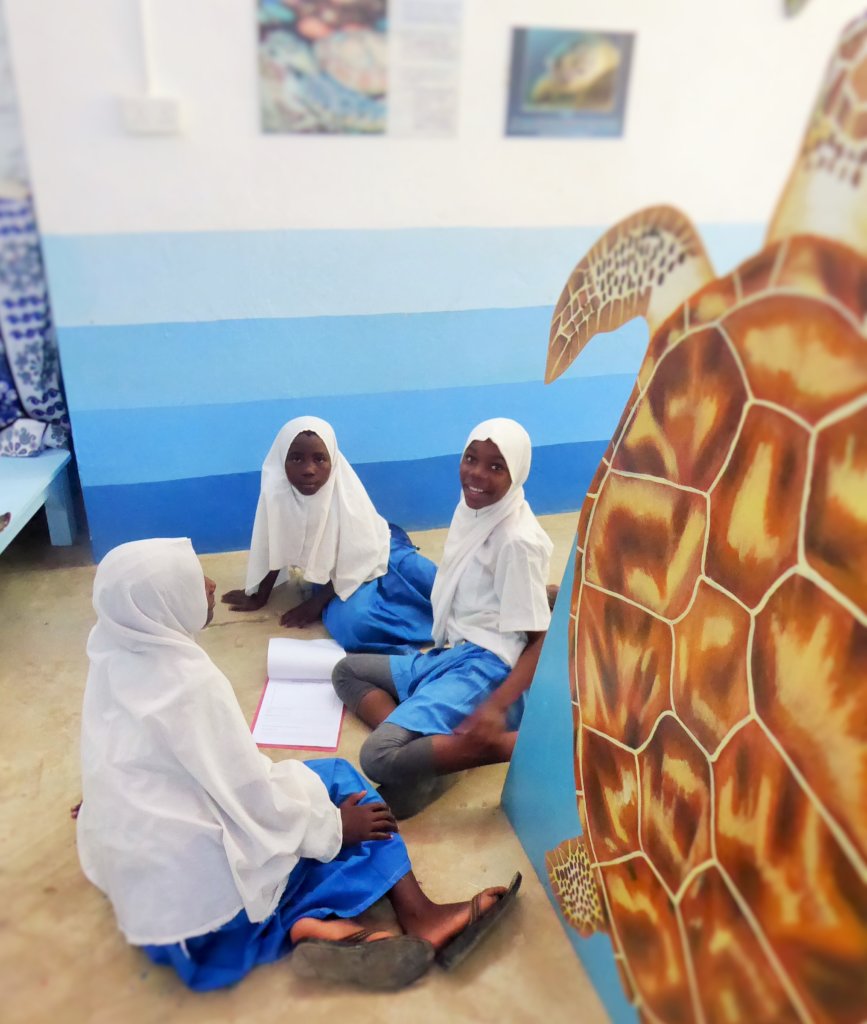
[[424, 66], [568, 82], [359, 67]]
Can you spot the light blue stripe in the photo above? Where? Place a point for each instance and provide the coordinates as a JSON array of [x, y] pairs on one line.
[[168, 277], [257, 360], [144, 445]]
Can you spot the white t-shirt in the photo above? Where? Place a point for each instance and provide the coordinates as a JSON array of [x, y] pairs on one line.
[[501, 594]]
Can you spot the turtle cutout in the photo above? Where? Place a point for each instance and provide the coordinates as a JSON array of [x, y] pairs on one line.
[[718, 624]]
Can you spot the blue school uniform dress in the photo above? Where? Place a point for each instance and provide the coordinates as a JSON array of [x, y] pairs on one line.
[[391, 614], [344, 887], [335, 535]]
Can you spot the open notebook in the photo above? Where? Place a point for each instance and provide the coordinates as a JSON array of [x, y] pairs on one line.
[[298, 707]]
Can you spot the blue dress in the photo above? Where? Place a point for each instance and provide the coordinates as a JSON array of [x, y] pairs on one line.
[[391, 614], [439, 688], [344, 887]]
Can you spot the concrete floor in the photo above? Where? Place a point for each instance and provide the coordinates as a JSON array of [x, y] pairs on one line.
[[62, 957]]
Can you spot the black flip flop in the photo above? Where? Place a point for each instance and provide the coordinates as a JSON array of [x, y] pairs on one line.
[[383, 964], [456, 950]]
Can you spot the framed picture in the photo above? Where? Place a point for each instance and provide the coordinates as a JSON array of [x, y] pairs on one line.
[[323, 66], [567, 82]]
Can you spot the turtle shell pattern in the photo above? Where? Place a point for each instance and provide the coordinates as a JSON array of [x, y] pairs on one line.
[[718, 656]]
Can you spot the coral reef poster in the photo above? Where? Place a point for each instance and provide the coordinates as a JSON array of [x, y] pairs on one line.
[[323, 66], [568, 82]]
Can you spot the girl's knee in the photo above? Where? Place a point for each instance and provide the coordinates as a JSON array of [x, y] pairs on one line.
[[358, 674], [374, 758], [341, 677], [349, 686], [381, 750], [394, 755]]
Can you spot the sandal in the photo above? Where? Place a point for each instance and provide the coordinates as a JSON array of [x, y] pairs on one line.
[[456, 950], [383, 965]]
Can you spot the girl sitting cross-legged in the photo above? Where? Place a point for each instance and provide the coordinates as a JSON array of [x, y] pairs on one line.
[[458, 705]]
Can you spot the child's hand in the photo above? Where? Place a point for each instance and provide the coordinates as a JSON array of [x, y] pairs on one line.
[[485, 725], [303, 614], [368, 821], [239, 601]]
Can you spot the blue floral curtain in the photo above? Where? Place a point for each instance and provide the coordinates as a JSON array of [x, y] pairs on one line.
[[33, 412]]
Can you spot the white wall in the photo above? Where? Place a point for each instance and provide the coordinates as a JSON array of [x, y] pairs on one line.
[[13, 170], [718, 100]]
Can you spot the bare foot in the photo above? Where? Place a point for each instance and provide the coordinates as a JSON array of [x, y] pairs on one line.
[[332, 931], [443, 921]]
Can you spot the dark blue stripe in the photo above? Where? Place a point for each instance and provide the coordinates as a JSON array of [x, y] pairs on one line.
[[216, 512]]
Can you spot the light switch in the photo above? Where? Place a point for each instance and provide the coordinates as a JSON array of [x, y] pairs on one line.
[[150, 115]]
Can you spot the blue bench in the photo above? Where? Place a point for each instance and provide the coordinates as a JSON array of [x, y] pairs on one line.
[[26, 484]]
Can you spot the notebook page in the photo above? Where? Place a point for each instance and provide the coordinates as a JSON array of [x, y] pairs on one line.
[[302, 659], [299, 707], [298, 714]]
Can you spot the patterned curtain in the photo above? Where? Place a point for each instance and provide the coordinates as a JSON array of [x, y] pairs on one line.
[[33, 412]]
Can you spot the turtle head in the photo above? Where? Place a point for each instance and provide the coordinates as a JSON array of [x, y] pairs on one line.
[[827, 191], [645, 265]]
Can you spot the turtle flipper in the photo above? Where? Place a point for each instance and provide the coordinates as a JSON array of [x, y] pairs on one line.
[[644, 266], [826, 193], [573, 882]]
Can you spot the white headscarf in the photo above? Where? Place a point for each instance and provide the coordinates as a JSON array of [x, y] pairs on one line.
[[470, 528], [183, 820], [335, 534]]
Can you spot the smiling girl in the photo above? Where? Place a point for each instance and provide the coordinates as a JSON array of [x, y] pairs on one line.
[[458, 705], [373, 587]]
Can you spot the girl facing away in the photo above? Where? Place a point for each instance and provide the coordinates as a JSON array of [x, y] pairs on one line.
[[372, 586], [458, 706], [216, 859]]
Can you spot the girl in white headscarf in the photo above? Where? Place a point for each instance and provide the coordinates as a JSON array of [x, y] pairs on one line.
[[214, 858], [373, 587], [458, 705]]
